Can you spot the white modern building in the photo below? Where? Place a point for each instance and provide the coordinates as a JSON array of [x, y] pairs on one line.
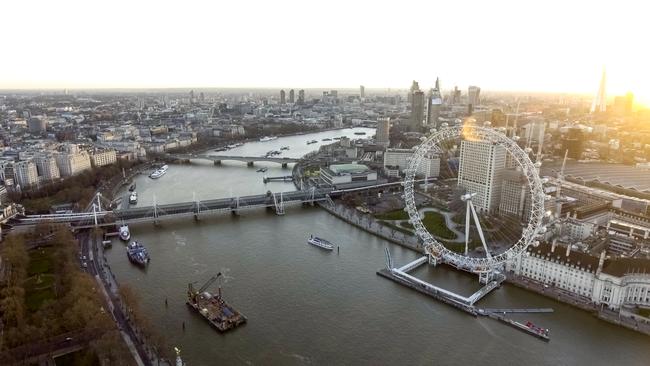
[[480, 171], [348, 174], [429, 165]]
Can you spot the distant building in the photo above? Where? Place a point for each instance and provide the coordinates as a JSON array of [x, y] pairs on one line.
[[600, 99], [291, 96], [104, 157], [25, 173], [348, 175], [301, 97], [417, 111], [434, 103], [473, 96], [362, 91], [480, 171], [383, 131], [37, 125], [47, 167], [282, 96], [573, 141]]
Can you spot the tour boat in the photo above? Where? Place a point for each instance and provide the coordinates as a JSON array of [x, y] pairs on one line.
[[284, 148], [159, 172], [262, 170], [133, 198], [268, 138], [321, 243], [124, 232]]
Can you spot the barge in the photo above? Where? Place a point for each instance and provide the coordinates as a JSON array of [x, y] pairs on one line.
[[213, 308]]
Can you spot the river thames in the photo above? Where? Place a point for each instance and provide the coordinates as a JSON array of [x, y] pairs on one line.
[[308, 306]]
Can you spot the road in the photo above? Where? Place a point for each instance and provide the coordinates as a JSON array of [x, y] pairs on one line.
[[95, 268]]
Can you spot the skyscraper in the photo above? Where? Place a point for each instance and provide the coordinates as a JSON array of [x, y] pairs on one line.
[[383, 131], [291, 96], [600, 100], [301, 96], [414, 87], [455, 96], [362, 91], [480, 171], [473, 95], [417, 111], [434, 102], [282, 97]]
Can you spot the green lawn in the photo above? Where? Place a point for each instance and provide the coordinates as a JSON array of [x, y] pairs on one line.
[[38, 289], [393, 215], [40, 261], [406, 224], [397, 228], [434, 222]]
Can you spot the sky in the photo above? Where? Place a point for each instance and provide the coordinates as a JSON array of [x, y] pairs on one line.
[[557, 46]]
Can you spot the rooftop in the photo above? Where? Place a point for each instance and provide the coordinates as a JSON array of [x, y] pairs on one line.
[[348, 168]]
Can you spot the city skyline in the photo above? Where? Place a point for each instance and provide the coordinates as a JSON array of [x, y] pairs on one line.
[[229, 45]]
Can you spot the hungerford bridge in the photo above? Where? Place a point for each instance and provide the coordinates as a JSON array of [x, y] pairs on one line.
[[97, 215]]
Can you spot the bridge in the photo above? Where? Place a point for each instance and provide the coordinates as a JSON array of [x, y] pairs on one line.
[[96, 216], [156, 212], [249, 160]]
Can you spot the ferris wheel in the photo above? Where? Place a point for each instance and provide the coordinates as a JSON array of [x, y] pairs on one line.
[[488, 261]]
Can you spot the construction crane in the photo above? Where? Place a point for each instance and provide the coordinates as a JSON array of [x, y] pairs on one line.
[[191, 293]]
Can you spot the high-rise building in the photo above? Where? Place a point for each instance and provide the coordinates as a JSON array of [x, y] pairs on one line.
[[291, 96], [362, 91], [514, 194], [417, 111], [46, 167], [25, 173], [383, 131], [480, 171], [473, 96], [282, 96], [434, 103], [600, 99], [573, 141], [301, 96]]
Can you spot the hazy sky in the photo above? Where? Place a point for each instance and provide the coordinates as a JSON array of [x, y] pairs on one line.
[[499, 45]]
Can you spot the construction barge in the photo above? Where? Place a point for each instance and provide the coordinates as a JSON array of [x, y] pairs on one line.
[[213, 307]]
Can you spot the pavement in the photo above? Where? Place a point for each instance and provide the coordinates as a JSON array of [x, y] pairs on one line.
[[98, 268]]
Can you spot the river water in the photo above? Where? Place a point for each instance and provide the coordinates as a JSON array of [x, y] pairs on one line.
[[307, 306]]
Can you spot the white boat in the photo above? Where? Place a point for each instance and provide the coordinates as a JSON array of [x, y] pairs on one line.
[[124, 232], [133, 198], [321, 243], [159, 172], [268, 138]]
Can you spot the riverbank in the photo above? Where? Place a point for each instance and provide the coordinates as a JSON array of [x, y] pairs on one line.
[[370, 225]]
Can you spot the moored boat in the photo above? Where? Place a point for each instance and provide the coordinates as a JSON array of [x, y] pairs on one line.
[[159, 172], [319, 242], [268, 138], [132, 187], [124, 233], [133, 198], [137, 254]]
